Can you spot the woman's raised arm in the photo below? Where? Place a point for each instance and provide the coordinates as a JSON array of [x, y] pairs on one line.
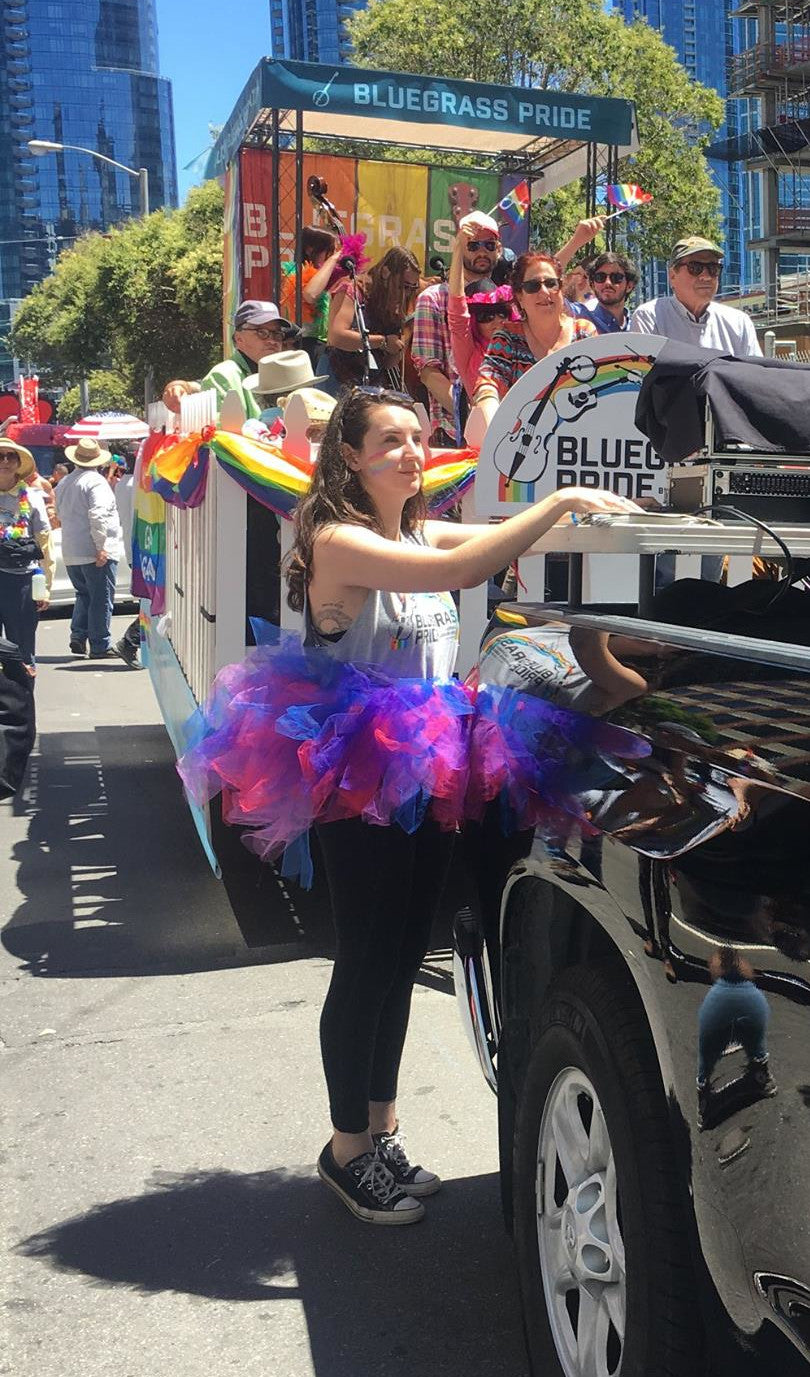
[[355, 557]]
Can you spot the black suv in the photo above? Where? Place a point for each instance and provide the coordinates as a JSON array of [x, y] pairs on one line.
[[634, 990]]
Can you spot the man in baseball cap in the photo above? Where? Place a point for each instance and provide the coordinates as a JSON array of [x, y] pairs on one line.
[[691, 314], [258, 330]]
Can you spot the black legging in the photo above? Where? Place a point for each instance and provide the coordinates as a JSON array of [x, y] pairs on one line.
[[385, 887]]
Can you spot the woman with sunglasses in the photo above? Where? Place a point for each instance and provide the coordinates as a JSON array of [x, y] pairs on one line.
[[474, 312], [366, 733], [544, 325], [25, 545]]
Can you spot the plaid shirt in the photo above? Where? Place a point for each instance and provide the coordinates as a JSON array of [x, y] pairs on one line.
[[431, 347]]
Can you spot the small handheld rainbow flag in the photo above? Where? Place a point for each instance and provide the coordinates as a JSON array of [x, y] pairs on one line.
[[516, 203], [626, 195]]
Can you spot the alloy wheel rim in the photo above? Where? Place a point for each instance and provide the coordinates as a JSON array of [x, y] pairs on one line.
[[579, 1232]]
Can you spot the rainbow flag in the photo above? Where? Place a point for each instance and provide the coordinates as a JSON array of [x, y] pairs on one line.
[[515, 205], [626, 195]]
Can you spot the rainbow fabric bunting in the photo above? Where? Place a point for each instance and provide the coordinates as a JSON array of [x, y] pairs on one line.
[[626, 195], [515, 205], [175, 469]]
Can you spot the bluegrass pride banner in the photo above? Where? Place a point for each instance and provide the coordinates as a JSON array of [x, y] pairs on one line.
[[391, 203], [569, 422]]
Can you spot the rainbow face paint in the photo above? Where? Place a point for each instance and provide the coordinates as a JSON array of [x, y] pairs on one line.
[[389, 459]]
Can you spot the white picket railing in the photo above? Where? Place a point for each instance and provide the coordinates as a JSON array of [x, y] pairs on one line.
[[206, 567], [206, 550]]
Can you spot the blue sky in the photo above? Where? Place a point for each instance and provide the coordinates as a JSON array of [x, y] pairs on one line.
[[208, 51]]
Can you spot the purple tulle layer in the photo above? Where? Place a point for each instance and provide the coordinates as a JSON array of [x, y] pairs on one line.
[[291, 737]]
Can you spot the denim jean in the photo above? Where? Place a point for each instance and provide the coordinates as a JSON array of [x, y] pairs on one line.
[[18, 613], [733, 1011], [132, 635], [95, 591]]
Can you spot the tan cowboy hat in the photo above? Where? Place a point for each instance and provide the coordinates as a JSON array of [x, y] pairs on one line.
[[317, 405], [27, 465], [282, 373], [88, 454]]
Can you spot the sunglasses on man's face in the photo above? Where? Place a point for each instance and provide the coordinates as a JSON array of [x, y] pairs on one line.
[[489, 244], [615, 278], [9, 457], [533, 285], [696, 268]]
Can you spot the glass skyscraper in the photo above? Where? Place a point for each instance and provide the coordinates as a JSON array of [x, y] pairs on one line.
[[311, 30], [76, 72], [704, 36]]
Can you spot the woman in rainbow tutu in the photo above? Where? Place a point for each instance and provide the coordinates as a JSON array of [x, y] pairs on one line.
[[363, 733]]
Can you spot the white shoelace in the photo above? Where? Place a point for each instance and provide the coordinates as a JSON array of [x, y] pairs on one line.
[[395, 1148], [379, 1180]]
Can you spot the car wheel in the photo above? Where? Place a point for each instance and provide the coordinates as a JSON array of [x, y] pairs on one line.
[[606, 1279]]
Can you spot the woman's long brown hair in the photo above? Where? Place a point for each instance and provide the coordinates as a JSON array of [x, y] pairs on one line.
[[388, 301], [336, 494]]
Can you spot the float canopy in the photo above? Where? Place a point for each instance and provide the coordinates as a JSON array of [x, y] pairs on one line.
[[519, 129]]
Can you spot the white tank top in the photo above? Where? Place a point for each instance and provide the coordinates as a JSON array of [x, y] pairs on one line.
[[408, 635]]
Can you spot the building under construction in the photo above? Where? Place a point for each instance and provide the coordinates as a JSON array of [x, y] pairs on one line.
[[771, 73]]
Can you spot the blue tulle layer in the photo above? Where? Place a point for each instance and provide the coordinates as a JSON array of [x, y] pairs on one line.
[[291, 737]]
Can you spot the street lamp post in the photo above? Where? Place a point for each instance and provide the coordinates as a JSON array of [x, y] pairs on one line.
[[43, 146]]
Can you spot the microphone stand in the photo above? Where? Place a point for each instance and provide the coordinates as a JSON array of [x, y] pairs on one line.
[[369, 362]]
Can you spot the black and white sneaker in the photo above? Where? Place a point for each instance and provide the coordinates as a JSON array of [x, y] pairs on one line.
[[414, 1180], [368, 1188], [128, 653], [759, 1075]]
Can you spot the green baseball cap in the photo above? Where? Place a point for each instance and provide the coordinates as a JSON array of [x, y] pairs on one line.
[[694, 243]]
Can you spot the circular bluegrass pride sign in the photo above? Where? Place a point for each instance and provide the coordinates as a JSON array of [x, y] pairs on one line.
[[569, 422]]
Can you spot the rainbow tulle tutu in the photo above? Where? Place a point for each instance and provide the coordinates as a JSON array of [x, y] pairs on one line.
[[292, 737]]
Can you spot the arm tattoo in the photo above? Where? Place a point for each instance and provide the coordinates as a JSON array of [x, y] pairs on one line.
[[331, 618]]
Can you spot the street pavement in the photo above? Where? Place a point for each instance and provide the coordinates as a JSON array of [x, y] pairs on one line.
[[164, 1104]]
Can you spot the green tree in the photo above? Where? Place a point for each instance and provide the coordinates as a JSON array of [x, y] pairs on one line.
[[146, 296], [108, 391], [58, 328], [570, 45]]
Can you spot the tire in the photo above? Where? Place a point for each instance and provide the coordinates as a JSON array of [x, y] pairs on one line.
[[506, 1141], [612, 1224]]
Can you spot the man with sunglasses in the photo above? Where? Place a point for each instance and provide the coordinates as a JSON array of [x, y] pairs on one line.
[[431, 347], [613, 279], [691, 315], [258, 330]]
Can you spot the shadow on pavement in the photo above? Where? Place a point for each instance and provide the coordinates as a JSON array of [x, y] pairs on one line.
[[435, 1298], [113, 877]]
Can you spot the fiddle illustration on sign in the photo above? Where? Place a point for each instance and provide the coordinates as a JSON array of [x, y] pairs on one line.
[[569, 421]]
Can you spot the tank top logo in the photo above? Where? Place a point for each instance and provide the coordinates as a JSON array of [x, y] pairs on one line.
[[400, 635], [426, 619]]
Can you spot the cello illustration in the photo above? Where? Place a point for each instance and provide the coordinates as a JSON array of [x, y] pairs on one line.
[[524, 442]]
